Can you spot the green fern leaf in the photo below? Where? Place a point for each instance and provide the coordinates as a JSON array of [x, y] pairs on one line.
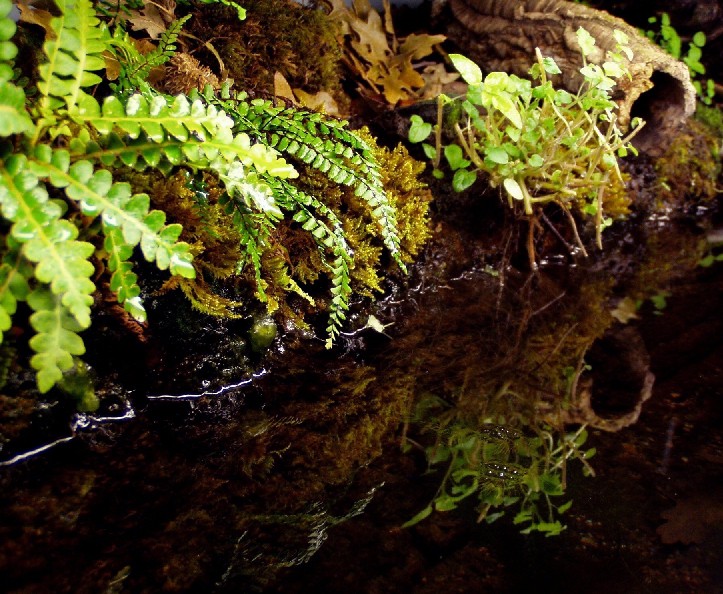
[[56, 341], [14, 274], [48, 241], [97, 194], [136, 66], [327, 146], [159, 120], [73, 56], [305, 208], [123, 282], [13, 117], [8, 50]]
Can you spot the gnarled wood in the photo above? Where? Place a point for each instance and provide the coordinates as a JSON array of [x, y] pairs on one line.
[[503, 34]]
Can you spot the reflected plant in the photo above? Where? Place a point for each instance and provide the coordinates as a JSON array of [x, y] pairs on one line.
[[542, 144], [499, 465]]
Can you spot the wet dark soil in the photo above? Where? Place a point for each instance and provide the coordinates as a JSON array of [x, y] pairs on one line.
[[650, 521], [294, 480]]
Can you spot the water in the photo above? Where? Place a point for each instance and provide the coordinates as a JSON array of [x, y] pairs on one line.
[[210, 470]]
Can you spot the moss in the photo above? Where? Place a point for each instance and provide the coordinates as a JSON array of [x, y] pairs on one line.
[[183, 73], [690, 167], [194, 203], [77, 383], [277, 36], [292, 265], [712, 117], [408, 194], [262, 333]]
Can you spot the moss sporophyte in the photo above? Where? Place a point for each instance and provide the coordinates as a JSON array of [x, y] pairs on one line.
[[541, 144]]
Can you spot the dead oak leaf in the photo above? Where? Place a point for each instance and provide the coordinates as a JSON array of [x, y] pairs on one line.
[[321, 101], [36, 16], [419, 46], [372, 44], [400, 82], [153, 18], [436, 79]]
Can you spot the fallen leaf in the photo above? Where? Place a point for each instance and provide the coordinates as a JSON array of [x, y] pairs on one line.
[[625, 310], [321, 101], [419, 46], [375, 54], [436, 80], [282, 88], [152, 19], [36, 16]]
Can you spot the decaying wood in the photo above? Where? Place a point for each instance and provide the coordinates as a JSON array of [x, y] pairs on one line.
[[501, 35]]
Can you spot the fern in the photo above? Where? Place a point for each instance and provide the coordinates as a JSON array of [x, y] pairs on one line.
[[56, 341], [112, 9], [326, 145], [73, 56], [304, 209], [14, 274], [13, 117], [135, 66], [59, 153]]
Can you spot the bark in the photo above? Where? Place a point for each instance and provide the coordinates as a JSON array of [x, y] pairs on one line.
[[501, 35]]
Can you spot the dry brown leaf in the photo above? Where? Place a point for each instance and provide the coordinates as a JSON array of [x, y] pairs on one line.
[[375, 54], [152, 19], [36, 16], [419, 46], [371, 43], [112, 66], [321, 101], [282, 88], [436, 79]]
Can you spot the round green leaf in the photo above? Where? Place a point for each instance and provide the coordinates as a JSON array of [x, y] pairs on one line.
[[419, 129], [463, 179], [497, 155], [470, 72]]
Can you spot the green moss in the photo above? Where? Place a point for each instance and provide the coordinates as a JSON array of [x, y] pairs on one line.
[[77, 383], [277, 36], [690, 167], [262, 333], [193, 201], [712, 117]]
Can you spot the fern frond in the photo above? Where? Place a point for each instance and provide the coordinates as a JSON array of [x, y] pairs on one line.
[[47, 240], [14, 118], [254, 230], [123, 281], [15, 271], [190, 131], [326, 145], [56, 341], [73, 57], [136, 67], [113, 8], [304, 209], [97, 194]]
